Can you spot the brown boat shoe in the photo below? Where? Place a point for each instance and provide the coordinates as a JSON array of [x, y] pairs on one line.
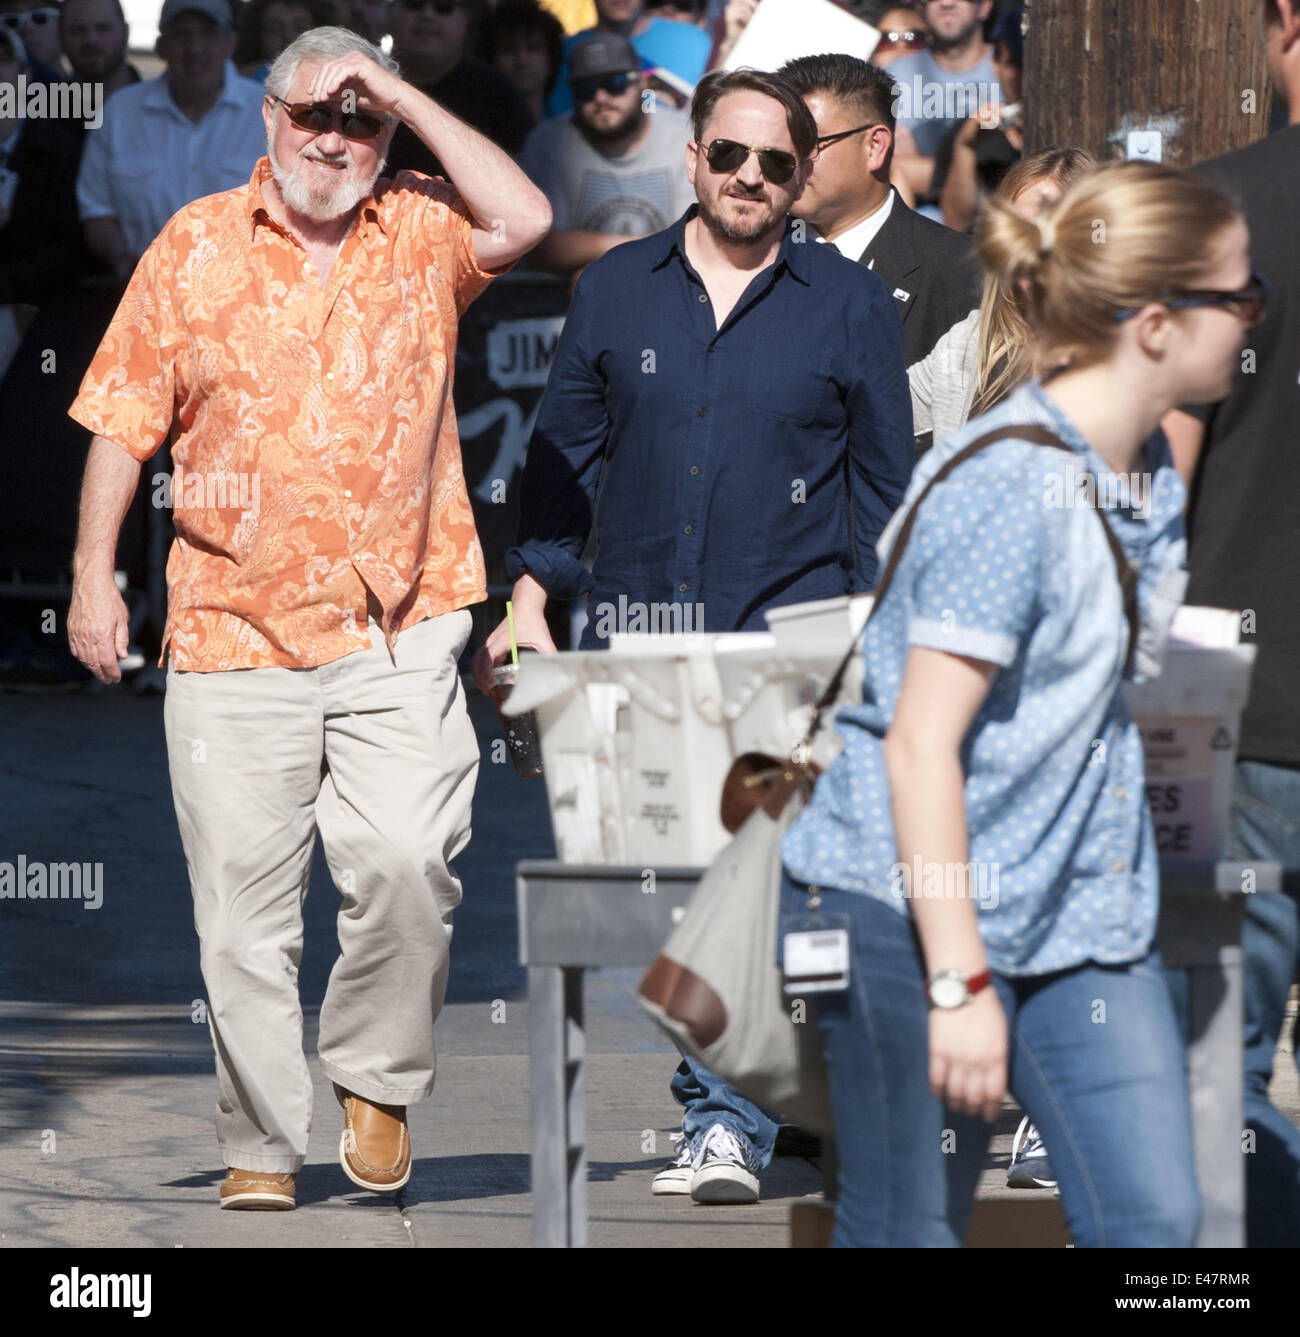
[[375, 1149], [257, 1191]]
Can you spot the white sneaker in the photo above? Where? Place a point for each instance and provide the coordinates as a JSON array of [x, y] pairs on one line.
[[1029, 1166], [723, 1173], [675, 1177]]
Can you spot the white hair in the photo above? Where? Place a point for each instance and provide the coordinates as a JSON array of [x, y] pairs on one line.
[[318, 46]]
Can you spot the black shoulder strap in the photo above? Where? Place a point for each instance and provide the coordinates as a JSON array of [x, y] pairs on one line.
[[1041, 436]]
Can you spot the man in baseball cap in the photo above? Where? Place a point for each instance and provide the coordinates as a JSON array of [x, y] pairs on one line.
[[595, 54], [217, 10], [194, 130], [610, 170]]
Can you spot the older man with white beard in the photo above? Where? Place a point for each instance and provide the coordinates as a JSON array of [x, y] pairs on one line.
[[295, 338]]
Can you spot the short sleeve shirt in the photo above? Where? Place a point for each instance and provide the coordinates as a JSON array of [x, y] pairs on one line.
[[313, 434], [931, 100], [148, 159], [1008, 563], [632, 195]]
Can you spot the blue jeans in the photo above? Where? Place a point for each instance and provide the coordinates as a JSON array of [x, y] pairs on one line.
[[1265, 824], [1106, 1086], [707, 1100]]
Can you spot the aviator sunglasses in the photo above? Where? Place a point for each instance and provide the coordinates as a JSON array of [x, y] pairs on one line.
[[320, 118], [1247, 302], [725, 155]]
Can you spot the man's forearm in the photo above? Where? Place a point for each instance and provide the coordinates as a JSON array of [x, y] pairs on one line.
[[958, 196], [489, 181], [112, 477]]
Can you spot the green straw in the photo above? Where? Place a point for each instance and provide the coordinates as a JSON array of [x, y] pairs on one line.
[[510, 618]]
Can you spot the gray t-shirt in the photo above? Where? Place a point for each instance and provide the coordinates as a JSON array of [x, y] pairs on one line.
[[640, 193], [931, 100]]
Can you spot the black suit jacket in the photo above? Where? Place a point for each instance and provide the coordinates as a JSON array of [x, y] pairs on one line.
[[932, 272], [935, 277]]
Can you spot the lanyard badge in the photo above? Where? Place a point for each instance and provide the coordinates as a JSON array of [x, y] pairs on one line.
[[815, 951]]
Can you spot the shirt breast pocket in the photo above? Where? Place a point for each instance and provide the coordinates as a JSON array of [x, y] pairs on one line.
[[788, 389], [134, 184]]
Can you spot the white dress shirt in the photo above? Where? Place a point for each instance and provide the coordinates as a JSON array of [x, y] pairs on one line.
[[148, 159], [856, 240]]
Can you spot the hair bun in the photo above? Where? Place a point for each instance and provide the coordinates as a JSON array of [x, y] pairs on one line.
[[1046, 235]]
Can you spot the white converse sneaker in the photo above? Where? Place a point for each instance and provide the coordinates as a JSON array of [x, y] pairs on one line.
[[1029, 1167], [722, 1173], [675, 1177]]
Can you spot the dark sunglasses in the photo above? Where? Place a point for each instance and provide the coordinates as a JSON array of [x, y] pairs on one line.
[[319, 118], [445, 8], [824, 140], [1247, 302], [777, 166], [613, 84], [908, 39]]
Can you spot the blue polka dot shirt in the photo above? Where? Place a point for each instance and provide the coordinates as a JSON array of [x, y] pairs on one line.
[[1008, 563]]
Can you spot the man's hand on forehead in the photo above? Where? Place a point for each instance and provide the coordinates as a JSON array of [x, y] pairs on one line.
[[358, 84]]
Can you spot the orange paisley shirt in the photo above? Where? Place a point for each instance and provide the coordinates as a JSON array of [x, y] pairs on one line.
[[313, 434]]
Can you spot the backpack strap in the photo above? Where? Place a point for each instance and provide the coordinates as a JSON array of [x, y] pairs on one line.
[[1125, 571]]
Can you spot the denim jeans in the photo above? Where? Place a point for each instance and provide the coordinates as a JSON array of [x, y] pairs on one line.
[[1095, 1059], [708, 1100], [1265, 824]]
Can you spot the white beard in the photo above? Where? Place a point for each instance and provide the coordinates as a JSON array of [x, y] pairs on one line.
[[321, 206]]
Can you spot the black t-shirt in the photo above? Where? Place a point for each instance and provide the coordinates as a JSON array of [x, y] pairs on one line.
[[483, 98], [1243, 521]]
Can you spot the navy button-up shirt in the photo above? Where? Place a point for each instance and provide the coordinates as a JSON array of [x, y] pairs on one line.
[[737, 468]]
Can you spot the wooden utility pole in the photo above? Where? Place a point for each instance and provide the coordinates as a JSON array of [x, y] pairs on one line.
[[1190, 71]]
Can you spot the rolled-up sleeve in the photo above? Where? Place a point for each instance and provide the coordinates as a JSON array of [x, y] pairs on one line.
[[565, 456], [974, 570]]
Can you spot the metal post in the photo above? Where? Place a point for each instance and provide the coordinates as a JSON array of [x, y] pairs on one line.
[[559, 1107]]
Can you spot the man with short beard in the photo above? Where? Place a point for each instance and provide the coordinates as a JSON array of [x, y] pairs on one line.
[[711, 389], [944, 86], [94, 37], [611, 169], [295, 338]]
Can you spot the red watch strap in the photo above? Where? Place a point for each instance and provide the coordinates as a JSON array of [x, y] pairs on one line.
[[978, 982]]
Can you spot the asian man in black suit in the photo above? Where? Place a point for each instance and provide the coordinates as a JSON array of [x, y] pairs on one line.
[[931, 270]]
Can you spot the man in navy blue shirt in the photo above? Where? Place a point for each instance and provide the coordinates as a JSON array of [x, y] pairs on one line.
[[736, 396]]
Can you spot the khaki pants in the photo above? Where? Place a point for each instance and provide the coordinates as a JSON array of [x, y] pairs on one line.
[[378, 753]]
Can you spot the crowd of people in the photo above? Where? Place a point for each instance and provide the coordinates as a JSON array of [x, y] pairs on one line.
[[801, 299]]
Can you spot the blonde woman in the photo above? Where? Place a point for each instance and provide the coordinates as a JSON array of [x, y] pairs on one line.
[[984, 835], [982, 358]]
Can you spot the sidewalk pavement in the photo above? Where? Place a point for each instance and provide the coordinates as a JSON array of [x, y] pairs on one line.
[[106, 1079]]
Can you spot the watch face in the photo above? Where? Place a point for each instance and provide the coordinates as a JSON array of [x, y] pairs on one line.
[[947, 992]]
